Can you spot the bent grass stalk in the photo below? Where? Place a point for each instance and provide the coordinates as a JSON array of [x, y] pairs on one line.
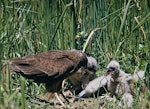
[[89, 37]]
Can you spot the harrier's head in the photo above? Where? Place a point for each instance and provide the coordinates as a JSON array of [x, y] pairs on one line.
[[113, 69], [92, 64], [79, 58]]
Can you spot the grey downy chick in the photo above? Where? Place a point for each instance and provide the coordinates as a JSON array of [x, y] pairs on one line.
[[111, 81], [120, 83]]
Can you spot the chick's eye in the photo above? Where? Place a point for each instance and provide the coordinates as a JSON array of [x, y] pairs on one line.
[[112, 69]]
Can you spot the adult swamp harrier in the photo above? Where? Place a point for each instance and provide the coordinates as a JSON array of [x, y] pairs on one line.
[[51, 67]]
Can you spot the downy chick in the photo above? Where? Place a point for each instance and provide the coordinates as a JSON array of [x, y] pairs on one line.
[[111, 81]]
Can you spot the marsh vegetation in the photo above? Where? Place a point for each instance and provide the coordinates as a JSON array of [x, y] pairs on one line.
[[33, 26]]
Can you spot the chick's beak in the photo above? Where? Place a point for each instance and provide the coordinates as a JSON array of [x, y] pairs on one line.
[[108, 70]]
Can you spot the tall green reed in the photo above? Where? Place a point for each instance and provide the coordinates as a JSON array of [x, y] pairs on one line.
[[28, 27]]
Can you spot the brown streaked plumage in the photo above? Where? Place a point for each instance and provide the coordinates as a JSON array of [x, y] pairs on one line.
[[50, 67]]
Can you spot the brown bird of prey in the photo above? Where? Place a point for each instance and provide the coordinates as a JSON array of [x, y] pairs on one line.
[[50, 67]]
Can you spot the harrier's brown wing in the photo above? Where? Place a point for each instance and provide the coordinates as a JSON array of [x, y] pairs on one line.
[[49, 67], [49, 63], [52, 63]]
